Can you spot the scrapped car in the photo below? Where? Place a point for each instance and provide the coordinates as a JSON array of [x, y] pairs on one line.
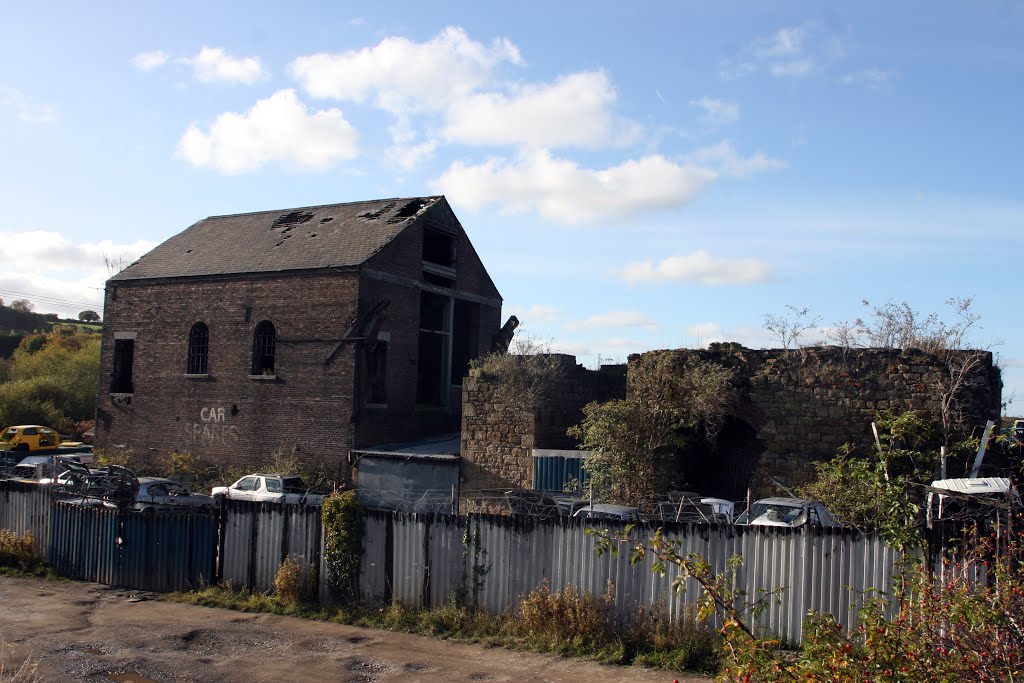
[[609, 512], [786, 512], [269, 488], [157, 492], [29, 438], [45, 469], [694, 508], [970, 497]]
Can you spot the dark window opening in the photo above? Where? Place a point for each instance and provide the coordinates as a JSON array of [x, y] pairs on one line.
[[377, 357], [430, 373], [435, 332], [264, 343], [121, 374], [465, 338], [198, 350], [433, 312], [439, 248]]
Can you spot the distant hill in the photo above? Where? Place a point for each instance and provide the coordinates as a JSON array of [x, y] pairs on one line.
[[16, 325]]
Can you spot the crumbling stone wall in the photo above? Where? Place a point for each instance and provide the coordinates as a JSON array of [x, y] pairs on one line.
[[803, 405], [498, 437], [796, 408]]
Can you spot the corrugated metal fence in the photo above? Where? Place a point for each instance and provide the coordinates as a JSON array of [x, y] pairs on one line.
[[427, 560], [491, 562]]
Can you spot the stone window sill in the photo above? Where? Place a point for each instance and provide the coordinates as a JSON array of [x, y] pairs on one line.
[[377, 406], [263, 378], [197, 375], [114, 394]]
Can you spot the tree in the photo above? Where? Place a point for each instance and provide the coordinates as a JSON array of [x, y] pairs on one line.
[[672, 400], [790, 327], [88, 316], [22, 306]]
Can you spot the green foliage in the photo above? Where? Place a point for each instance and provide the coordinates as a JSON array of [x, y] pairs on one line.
[[19, 551], [523, 377], [51, 378], [671, 401], [342, 517], [286, 462], [961, 625], [88, 316], [198, 472], [295, 582]]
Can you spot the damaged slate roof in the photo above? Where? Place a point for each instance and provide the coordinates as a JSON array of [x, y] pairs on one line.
[[312, 237]]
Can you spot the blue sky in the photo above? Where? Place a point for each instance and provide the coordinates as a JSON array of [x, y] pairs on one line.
[[634, 175]]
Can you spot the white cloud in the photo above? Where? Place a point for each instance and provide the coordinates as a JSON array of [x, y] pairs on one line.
[[698, 266], [25, 109], [537, 313], [574, 110], [784, 53], [614, 319], [214, 65], [724, 157], [147, 61], [717, 112], [400, 75], [278, 128], [58, 275], [573, 348], [560, 190], [872, 79]]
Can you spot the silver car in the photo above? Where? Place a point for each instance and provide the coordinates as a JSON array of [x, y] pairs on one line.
[[158, 492]]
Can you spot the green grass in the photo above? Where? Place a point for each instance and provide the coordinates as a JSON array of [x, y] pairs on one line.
[[566, 623]]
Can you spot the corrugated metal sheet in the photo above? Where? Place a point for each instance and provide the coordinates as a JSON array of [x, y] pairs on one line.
[[157, 551], [493, 561], [25, 508], [553, 472], [257, 537]]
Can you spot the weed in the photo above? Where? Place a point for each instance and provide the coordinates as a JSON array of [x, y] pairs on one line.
[[19, 552]]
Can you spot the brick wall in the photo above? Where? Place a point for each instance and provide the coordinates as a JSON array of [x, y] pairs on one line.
[[228, 418]]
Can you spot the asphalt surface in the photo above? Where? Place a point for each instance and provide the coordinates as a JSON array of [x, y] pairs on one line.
[[90, 632]]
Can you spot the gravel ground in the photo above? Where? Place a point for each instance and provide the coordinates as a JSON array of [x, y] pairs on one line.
[[90, 632]]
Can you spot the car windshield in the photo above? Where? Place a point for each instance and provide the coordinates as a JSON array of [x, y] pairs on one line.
[[775, 512]]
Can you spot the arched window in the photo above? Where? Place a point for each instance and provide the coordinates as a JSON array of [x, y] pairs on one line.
[[264, 341], [198, 350]]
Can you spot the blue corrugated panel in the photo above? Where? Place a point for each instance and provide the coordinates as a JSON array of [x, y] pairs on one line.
[[553, 472]]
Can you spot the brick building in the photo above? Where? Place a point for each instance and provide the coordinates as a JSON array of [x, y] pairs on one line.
[[317, 330]]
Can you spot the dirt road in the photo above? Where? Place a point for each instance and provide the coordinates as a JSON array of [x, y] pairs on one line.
[[90, 632]]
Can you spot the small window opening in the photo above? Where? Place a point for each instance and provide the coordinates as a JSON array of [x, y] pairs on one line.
[[121, 374], [377, 372], [438, 280], [198, 349], [264, 343], [439, 248]]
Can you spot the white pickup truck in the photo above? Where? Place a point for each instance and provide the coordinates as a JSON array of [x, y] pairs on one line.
[[269, 488]]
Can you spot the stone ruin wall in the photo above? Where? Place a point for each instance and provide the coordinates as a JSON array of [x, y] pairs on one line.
[[498, 439], [802, 406]]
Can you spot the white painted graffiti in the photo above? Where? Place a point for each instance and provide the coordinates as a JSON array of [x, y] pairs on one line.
[[211, 430]]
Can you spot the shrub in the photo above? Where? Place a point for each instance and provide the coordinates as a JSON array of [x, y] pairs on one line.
[[342, 517], [295, 582], [19, 551]]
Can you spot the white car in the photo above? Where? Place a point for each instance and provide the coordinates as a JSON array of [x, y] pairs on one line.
[[269, 488], [787, 512], [609, 512]]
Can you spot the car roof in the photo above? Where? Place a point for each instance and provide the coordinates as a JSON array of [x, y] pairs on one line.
[[27, 426], [608, 507], [975, 485], [155, 480], [794, 502]]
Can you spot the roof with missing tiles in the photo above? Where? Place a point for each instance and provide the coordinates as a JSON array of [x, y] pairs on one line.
[[307, 238]]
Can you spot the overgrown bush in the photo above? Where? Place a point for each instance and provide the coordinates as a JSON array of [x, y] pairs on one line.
[[19, 551], [342, 518], [295, 582]]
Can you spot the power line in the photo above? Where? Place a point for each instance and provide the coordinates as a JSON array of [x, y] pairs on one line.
[[46, 299]]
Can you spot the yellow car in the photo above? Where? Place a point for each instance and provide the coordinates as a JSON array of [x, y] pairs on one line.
[[29, 438]]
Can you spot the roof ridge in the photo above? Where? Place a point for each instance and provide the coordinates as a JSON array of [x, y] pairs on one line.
[[321, 206]]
